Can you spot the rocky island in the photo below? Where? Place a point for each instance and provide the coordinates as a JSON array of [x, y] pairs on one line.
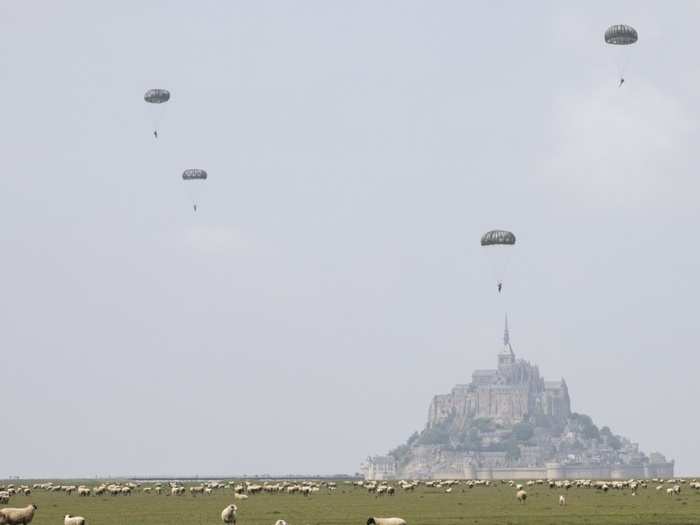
[[509, 423]]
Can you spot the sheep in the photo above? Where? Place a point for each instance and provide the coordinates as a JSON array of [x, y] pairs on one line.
[[280, 522], [521, 495], [4, 497], [11, 516], [385, 521], [562, 500], [73, 520], [241, 496], [228, 515]]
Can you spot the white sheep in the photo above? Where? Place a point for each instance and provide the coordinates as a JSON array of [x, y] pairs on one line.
[[521, 495], [73, 520], [562, 500], [4, 497], [385, 521], [240, 496], [228, 515], [12, 516], [280, 522]]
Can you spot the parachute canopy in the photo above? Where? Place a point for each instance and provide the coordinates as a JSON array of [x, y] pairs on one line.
[[194, 174], [157, 96], [621, 35], [497, 237]]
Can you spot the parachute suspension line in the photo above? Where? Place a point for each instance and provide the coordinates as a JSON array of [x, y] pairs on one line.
[[498, 246], [156, 99], [621, 36], [193, 179]]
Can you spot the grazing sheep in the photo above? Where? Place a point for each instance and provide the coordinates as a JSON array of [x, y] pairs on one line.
[[280, 522], [386, 521], [11, 516], [4, 497], [521, 495], [228, 515], [243, 496], [73, 520], [562, 500]]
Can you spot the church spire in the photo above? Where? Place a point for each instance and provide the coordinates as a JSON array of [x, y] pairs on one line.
[[507, 349]]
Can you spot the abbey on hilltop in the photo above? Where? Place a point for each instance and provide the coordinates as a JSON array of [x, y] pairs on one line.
[[509, 423]]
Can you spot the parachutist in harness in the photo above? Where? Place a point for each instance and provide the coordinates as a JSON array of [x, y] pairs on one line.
[[622, 81], [155, 133], [195, 207], [500, 285]]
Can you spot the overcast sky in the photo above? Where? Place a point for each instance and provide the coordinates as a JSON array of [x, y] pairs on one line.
[[332, 280]]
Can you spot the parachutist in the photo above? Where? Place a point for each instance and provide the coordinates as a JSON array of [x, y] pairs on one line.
[[195, 207], [622, 81], [500, 285], [155, 133]]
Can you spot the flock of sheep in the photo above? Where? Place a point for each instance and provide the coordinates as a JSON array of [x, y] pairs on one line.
[[243, 490], [25, 515]]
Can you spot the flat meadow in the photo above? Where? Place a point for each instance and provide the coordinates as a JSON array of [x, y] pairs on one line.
[[349, 505]]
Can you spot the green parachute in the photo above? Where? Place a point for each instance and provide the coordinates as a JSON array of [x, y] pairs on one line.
[[620, 36], [156, 98], [498, 247], [193, 179]]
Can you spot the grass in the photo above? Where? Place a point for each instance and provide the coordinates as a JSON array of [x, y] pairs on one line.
[[351, 506]]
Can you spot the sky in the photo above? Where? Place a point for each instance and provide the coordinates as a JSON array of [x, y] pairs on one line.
[[331, 281]]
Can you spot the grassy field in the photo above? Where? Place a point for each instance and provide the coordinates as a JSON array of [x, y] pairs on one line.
[[351, 506]]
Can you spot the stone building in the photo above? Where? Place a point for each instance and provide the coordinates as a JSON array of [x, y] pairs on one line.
[[506, 394], [509, 423]]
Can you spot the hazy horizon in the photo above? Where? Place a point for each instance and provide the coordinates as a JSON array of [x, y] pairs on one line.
[[332, 281]]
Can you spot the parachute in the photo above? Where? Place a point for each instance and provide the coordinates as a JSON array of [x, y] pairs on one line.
[[194, 174], [498, 245], [621, 36], [497, 237], [157, 96], [193, 178], [155, 99]]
